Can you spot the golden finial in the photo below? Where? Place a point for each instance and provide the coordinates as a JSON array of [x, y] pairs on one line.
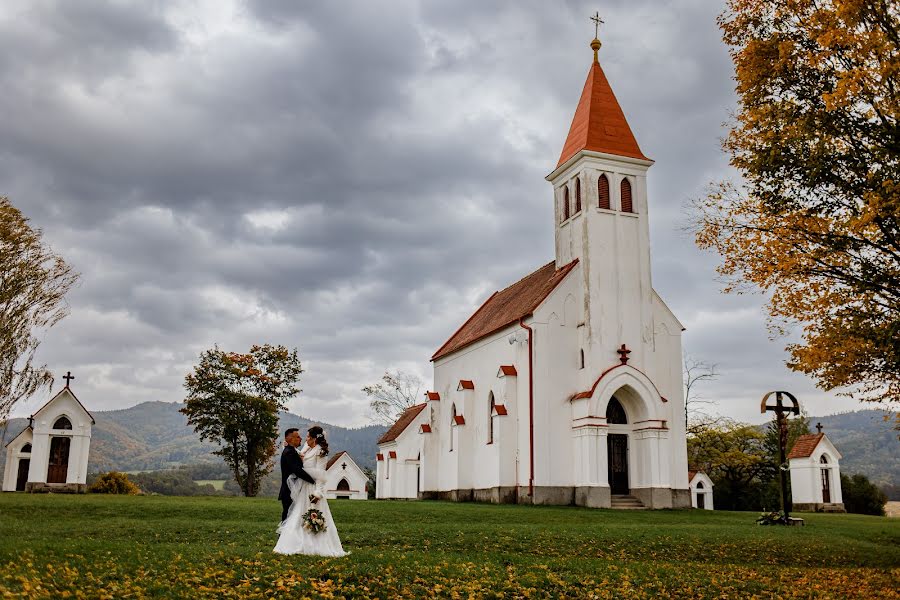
[[595, 43]]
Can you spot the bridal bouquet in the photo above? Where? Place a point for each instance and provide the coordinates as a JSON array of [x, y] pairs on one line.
[[314, 520]]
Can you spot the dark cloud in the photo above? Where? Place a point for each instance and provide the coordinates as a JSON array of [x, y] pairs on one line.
[[349, 179]]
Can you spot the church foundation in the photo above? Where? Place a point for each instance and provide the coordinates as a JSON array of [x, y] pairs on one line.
[[593, 496], [33, 487]]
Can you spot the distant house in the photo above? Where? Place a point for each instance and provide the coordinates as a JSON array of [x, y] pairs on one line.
[[345, 479], [51, 453]]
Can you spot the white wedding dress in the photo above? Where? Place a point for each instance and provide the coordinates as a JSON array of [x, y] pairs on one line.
[[295, 538]]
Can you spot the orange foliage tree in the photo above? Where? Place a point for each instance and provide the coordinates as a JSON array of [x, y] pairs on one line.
[[234, 400], [816, 221]]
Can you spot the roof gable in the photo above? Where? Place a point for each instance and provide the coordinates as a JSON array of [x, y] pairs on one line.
[[506, 307], [52, 400], [599, 123], [408, 416], [344, 456], [27, 429], [805, 445]]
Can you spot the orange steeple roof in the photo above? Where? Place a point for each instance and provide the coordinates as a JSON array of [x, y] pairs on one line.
[[599, 123]]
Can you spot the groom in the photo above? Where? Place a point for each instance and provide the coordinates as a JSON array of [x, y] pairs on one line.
[[291, 464]]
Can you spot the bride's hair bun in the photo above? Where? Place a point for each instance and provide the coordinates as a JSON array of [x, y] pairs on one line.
[[319, 435]]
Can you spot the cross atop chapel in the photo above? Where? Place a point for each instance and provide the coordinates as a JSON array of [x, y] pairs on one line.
[[68, 377]]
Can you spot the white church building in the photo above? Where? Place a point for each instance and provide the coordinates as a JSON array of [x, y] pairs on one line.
[[344, 478], [51, 453], [815, 474], [566, 386]]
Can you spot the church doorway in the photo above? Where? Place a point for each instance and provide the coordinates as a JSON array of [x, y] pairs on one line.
[[617, 445], [826, 481], [22, 478], [617, 448], [58, 467]]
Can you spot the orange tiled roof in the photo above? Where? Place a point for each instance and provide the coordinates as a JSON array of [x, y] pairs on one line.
[[507, 306], [334, 458], [401, 423], [599, 123], [805, 444]]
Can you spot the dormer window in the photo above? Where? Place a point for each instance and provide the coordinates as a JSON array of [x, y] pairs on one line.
[[603, 192], [626, 196]]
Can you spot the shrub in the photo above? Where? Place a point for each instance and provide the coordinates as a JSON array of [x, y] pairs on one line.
[[861, 496], [114, 483]]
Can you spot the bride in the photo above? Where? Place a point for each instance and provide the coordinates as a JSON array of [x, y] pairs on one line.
[[295, 538]]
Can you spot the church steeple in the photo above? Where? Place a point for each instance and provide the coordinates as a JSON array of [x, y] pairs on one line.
[[599, 123]]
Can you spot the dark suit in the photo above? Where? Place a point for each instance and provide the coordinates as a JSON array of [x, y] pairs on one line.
[[291, 464]]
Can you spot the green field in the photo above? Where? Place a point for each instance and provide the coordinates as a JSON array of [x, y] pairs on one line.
[[219, 484], [57, 546]]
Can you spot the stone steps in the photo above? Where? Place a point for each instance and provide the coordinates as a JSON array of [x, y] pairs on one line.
[[626, 502]]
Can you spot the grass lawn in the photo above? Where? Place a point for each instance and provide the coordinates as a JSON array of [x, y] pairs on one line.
[[56, 546]]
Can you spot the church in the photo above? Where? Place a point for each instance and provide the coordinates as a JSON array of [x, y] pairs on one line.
[[566, 386]]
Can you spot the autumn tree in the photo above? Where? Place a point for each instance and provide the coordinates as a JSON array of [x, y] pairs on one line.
[[735, 457], [815, 222], [234, 400], [33, 285], [392, 395]]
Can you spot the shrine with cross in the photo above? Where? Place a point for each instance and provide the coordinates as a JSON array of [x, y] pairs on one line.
[[345, 480], [564, 387], [51, 453]]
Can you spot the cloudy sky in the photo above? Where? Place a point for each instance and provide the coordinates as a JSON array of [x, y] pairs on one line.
[[349, 178]]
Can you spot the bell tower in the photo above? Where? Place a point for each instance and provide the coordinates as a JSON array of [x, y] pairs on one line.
[[600, 214]]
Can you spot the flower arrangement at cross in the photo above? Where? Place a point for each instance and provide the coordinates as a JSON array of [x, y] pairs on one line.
[[314, 520]]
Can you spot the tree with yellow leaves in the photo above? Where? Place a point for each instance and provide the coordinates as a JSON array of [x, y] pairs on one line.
[[816, 221], [34, 282], [234, 400]]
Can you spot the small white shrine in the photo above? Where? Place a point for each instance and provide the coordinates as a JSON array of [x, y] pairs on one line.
[[51, 453], [345, 479], [815, 474], [398, 467], [701, 490]]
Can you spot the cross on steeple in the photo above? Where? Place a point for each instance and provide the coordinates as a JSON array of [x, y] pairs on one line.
[[623, 354], [68, 377], [597, 23], [819, 427]]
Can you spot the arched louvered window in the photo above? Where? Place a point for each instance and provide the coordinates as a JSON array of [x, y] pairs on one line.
[[566, 206], [626, 196], [62, 423], [603, 191], [577, 196]]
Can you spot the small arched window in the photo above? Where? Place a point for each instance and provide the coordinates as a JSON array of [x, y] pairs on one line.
[[577, 195], [343, 485], [26, 448], [491, 404], [824, 460], [62, 423], [626, 197], [615, 414], [699, 485], [566, 206], [603, 191], [452, 424]]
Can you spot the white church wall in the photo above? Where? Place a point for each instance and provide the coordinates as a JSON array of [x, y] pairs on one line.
[[473, 464]]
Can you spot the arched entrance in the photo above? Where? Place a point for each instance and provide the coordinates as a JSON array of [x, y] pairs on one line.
[[58, 467], [617, 449], [22, 475], [701, 495]]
